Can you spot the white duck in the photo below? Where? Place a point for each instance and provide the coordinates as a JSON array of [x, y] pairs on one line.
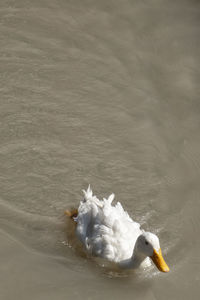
[[107, 231]]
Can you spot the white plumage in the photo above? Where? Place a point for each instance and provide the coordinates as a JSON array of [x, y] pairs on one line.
[[107, 231]]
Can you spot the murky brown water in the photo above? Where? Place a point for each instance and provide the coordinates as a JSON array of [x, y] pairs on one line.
[[106, 93]]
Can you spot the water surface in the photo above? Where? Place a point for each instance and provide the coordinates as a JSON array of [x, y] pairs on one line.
[[106, 93]]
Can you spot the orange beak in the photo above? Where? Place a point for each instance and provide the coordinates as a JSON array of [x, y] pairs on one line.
[[159, 261]]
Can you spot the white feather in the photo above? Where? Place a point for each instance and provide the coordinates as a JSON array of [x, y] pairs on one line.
[[107, 231]]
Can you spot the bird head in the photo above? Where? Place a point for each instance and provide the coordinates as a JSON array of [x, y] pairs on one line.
[[148, 245]]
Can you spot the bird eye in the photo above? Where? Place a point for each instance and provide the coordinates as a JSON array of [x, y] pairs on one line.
[[147, 243]]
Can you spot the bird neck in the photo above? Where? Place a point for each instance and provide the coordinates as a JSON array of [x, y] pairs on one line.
[[134, 261]]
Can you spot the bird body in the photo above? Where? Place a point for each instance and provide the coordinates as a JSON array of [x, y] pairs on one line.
[[107, 231]]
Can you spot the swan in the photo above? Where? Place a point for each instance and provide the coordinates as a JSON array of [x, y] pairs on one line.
[[107, 231]]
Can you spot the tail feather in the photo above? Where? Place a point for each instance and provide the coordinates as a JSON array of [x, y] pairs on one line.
[[88, 194], [111, 198]]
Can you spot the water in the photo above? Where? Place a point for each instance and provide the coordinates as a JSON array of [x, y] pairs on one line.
[[106, 93]]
